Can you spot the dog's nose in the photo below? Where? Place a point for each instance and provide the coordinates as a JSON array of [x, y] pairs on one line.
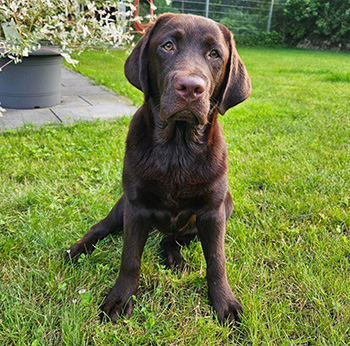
[[189, 88]]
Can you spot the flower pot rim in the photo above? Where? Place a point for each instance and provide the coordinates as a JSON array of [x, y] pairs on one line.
[[45, 49]]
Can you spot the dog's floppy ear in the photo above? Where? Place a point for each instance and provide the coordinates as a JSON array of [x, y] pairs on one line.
[[136, 65], [236, 86]]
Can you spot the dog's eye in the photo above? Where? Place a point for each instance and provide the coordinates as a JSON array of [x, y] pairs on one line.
[[214, 54], [168, 46]]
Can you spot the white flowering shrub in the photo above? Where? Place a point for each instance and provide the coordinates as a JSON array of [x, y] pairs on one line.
[[68, 24]]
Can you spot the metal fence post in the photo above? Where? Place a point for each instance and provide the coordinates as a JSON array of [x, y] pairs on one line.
[[270, 16], [207, 8]]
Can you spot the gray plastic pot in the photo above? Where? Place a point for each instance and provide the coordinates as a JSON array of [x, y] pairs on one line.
[[33, 83]]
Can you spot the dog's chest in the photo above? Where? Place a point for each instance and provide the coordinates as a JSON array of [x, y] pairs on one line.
[[171, 180], [170, 209], [178, 173]]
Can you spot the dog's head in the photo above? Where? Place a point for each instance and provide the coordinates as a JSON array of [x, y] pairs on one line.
[[187, 66]]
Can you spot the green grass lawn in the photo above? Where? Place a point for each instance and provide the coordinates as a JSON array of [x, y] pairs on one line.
[[287, 243]]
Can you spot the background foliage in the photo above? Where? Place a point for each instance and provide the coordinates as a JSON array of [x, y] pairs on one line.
[[317, 20]]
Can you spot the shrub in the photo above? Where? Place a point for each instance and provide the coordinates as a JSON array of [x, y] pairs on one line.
[[317, 20], [272, 38]]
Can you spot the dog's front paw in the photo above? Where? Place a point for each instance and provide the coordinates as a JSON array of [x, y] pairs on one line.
[[118, 302], [227, 307]]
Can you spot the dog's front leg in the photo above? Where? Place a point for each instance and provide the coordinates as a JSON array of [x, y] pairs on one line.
[[119, 300], [211, 229]]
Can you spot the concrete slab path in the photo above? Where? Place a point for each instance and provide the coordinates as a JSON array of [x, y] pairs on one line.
[[80, 100]]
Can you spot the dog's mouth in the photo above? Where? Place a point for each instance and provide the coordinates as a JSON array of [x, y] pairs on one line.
[[187, 116], [184, 116], [182, 123]]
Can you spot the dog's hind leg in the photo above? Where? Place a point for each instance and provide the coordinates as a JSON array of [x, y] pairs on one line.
[[108, 225], [229, 206], [171, 247]]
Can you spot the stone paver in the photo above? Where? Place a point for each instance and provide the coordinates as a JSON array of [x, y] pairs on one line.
[[80, 100]]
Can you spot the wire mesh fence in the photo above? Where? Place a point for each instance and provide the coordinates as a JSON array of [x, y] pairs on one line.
[[243, 17]]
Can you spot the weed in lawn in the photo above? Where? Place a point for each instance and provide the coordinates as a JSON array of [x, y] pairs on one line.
[[287, 244]]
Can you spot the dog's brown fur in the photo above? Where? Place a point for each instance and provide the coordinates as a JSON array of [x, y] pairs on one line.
[[175, 167]]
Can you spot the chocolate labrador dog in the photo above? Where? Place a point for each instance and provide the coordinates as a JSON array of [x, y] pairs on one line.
[[175, 165]]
